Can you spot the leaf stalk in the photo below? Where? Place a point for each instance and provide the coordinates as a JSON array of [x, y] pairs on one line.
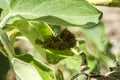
[[6, 19]]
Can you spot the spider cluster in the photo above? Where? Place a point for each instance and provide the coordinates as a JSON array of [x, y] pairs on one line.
[[63, 41]]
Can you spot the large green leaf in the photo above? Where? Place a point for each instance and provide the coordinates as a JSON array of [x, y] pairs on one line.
[[63, 12], [4, 4], [34, 30], [72, 63], [27, 68], [97, 36], [5, 45], [54, 56], [38, 30], [28, 71]]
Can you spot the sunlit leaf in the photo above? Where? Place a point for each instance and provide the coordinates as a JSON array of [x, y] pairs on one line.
[[25, 71], [72, 63], [62, 12], [27, 68], [4, 3], [34, 30], [5, 45], [54, 56], [38, 30]]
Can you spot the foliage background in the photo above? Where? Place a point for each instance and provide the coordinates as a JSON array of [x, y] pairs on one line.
[[91, 40]]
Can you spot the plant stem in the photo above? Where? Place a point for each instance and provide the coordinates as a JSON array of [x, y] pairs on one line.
[[5, 20], [75, 51], [84, 64]]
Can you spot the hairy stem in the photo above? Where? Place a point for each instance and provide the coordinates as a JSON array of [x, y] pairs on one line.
[[5, 20]]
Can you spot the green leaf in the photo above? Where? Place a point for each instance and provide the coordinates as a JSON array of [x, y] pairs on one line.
[[38, 30], [63, 12], [34, 30], [2, 50], [97, 57], [97, 36], [27, 68], [54, 56], [5, 45], [72, 63], [4, 4], [80, 76], [45, 71], [25, 71], [4, 8]]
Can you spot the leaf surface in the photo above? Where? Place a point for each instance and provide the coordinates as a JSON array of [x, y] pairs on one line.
[[62, 12], [34, 30], [27, 68], [97, 36], [38, 30], [5, 45], [4, 4], [54, 56]]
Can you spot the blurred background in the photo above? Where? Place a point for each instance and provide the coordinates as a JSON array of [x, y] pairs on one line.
[[111, 18]]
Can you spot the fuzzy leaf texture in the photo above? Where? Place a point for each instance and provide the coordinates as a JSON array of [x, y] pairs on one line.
[[34, 30], [4, 3], [27, 68], [61, 12], [5, 45], [41, 31], [97, 36]]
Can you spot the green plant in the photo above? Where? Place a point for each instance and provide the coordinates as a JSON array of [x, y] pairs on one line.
[[41, 22]]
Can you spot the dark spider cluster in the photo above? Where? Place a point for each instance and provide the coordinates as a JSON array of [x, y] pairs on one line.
[[63, 41]]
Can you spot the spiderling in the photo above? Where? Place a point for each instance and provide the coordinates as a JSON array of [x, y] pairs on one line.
[[63, 41]]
